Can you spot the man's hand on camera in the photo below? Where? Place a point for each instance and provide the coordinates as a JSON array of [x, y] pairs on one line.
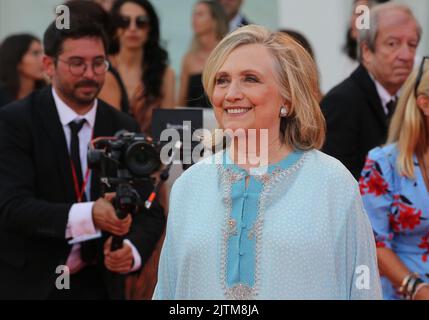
[[119, 261], [104, 217]]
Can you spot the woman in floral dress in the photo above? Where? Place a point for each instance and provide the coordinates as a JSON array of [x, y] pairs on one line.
[[395, 189]]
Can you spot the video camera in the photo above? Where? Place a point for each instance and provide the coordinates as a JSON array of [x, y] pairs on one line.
[[135, 158], [134, 155]]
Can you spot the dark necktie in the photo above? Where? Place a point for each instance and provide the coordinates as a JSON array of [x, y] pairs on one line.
[[88, 248], [391, 106], [75, 127]]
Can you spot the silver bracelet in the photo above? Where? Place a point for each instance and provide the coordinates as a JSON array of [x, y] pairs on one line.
[[407, 284], [410, 286], [419, 286]]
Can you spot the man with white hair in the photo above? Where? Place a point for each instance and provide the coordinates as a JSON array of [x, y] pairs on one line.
[[358, 110]]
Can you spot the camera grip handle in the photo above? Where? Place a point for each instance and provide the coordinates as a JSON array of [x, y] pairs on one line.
[[117, 241]]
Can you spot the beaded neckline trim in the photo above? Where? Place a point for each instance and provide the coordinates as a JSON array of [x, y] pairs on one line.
[[227, 178]]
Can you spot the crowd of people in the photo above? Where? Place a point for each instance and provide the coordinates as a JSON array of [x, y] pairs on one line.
[[345, 186]]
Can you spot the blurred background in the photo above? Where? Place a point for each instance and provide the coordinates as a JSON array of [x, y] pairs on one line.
[[323, 22]]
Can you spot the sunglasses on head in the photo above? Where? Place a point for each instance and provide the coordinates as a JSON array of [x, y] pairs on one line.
[[420, 74], [140, 21]]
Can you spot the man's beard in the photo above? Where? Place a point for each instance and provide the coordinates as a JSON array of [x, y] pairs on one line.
[[82, 99]]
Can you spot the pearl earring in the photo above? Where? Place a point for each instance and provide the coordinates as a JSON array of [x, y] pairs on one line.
[[283, 112]]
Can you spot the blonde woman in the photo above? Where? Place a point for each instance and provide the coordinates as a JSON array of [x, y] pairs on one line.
[[293, 228], [395, 190], [210, 25]]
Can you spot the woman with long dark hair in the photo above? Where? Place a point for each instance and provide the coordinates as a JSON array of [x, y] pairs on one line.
[[146, 81], [141, 64], [21, 69]]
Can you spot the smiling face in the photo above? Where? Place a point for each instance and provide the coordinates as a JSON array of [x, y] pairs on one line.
[[395, 48], [246, 93]]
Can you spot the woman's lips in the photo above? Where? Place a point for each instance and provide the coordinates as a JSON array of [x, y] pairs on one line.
[[133, 38]]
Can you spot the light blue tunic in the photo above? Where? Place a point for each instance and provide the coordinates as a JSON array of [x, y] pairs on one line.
[[298, 231]]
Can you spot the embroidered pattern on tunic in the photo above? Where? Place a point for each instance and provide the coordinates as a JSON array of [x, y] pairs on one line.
[[232, 228], [255, 230], [228, 177]]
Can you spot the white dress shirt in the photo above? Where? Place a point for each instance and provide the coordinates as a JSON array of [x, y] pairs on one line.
[[235, 23], [80, 226], [385, 96]]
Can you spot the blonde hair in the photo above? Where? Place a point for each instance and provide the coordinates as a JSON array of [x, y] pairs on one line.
[[304, 127], [409, 128]]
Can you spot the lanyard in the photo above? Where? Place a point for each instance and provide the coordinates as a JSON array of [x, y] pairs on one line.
[[80, 190]]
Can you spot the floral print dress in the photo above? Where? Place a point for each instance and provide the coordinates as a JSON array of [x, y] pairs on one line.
[[398, 208]]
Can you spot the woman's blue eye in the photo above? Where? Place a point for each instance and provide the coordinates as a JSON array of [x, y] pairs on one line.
[[251, 79], [220, 81]]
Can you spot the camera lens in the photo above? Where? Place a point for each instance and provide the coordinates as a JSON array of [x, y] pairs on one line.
[[142, 159]]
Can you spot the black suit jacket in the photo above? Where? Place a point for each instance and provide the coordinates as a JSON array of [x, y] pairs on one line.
[[356, 121], [36, 194]]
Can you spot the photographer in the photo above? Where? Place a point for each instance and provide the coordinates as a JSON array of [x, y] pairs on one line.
[[47, 214]]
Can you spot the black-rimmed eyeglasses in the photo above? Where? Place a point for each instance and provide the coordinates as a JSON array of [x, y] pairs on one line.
[[420, 74], [78, 67]]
